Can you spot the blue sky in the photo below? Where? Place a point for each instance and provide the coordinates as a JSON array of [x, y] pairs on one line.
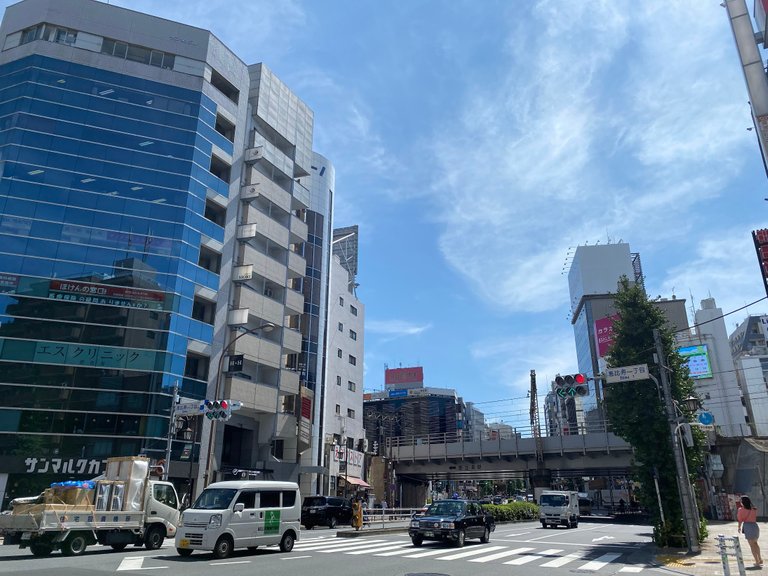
[[477, 142]]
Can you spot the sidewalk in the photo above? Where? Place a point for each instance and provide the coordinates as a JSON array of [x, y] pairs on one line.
[[708, 562]]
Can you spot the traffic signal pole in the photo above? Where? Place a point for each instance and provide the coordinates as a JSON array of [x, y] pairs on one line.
[[690, 521], [171, 430]]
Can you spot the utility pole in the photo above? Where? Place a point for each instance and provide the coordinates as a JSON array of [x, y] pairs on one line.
[[690, 521]]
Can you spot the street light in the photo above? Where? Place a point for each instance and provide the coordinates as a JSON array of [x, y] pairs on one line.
[[268, 327]]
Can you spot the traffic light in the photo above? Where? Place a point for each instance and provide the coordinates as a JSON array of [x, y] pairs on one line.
[[216, 409], [375, 448], [571, 385]]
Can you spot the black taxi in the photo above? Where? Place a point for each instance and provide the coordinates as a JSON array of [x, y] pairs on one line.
[[452, 521]]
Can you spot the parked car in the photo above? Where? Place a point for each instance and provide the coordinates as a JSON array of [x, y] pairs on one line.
[[452, 521], [325, 510]]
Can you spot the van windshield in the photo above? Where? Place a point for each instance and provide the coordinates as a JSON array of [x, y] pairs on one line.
[[314, 501], [215, 499], [553, 500]]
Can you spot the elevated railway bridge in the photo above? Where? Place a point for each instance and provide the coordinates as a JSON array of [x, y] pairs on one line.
[[509, 454]]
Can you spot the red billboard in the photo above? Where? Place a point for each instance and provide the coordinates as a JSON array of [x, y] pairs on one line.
[[604, 334], [404, 376]]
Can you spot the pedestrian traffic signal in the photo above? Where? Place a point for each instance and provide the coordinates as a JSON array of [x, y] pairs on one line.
[[571, 385]]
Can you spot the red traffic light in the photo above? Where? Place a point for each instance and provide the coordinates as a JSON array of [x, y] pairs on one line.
[[224, 405], [579, 378]]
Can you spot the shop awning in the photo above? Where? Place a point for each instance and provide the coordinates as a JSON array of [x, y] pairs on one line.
[[356, 481]]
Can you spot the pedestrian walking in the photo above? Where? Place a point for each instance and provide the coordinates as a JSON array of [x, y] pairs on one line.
[[747, 518], [357, 514]]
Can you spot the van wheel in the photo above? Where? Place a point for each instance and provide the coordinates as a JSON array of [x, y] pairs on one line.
[[184, 552], [286, 544], [332, 522], [223, 548], [154, 537]]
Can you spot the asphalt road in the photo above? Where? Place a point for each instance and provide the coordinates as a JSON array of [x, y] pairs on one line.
[[524, 549]]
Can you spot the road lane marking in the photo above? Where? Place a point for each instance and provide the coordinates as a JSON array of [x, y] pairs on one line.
[[229, 562], [135, 563], [531, 557], [598, 563], [472, 552], [381, 548], [335, 545], [632, 569], [503, 554], [432, 552], [295, 557], [353, 547], [563, 560]]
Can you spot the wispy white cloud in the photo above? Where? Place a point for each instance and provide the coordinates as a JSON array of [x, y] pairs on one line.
[[723, 266], [625, 132], [395, 328]]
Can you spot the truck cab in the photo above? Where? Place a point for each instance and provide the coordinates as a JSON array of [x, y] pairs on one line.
[[559, 508]]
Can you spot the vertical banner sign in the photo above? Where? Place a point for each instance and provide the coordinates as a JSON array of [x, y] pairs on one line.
[[761, 247]]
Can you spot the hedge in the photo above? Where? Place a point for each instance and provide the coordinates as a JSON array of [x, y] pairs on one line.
[[513, 511]]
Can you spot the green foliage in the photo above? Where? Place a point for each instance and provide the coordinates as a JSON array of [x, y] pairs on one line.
[[513, 511], [636, 411]]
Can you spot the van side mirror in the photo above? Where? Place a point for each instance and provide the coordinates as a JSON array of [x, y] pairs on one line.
[[239, 507]]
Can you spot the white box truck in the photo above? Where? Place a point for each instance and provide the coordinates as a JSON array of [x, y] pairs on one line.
[[123, 507], [559, 508]]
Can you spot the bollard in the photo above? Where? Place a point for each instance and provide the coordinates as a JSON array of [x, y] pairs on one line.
[[730, 547]]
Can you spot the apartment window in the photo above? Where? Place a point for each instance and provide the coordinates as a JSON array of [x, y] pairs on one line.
[[350, 413], [64, 36], [339, 353], [341, 300], [351, 385], [338, 380], [353, 310], [338, 408], [31, 34], [341, 327], [352, 360], [352, 334]]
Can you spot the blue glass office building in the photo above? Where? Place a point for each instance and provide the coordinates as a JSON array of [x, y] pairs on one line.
[[115, 168]]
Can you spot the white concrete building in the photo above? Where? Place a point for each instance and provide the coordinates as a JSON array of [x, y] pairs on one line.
[[750, 357], [713, 370], [343, 434]]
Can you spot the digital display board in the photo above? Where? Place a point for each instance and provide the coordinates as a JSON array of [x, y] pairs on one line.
[[697, 358]]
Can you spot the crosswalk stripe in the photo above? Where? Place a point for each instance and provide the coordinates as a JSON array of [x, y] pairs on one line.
[[563, 560], [598, 563], [407, 548], [353, 547], [503, 554], [433, 552], [632, 569], [531, 557], [471, 552], [335, 545], [379, 549]]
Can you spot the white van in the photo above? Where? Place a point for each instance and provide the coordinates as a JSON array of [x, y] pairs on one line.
[[241, 514]]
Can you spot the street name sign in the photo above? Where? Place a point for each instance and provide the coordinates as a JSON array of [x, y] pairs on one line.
[[188, 409], [626, 373]]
